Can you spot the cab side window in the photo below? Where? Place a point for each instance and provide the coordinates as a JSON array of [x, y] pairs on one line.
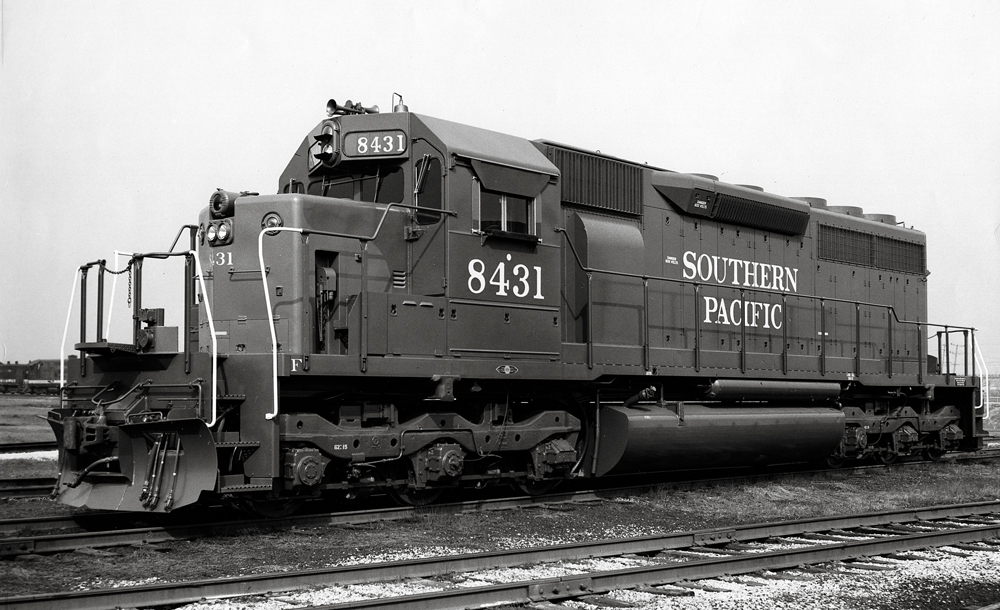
[[498, 211]]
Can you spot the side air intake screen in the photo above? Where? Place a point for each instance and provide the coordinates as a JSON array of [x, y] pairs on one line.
[[598, 182], [869, 250]]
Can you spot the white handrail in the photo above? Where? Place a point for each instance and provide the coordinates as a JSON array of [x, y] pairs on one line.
[[984, 394], [211, 330], [270, 315], [62, 346]]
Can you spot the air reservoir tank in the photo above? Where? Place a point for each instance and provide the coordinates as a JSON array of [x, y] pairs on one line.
[[695, 436]]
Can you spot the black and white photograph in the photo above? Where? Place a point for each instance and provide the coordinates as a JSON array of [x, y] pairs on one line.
[[547, 305]]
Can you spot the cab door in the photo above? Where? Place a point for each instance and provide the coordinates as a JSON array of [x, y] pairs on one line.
[[426, 234]]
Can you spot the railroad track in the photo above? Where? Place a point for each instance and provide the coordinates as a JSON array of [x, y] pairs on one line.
[[26, 488], [28, 447], [665, 564], [103, 531], [40, 543]]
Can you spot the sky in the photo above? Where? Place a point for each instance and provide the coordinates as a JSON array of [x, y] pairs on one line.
[[119, 119]]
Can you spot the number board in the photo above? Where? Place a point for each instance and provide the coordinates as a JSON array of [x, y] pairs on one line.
[[389, 143]]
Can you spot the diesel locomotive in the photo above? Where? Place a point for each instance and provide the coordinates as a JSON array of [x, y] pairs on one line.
[[33, 377], [426, 305]]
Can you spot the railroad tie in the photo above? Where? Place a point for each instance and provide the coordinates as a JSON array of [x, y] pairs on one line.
[[700, 587], [779, 576], [607, 602], [669, 591], [871, 567], [975, 547], [908, 557]]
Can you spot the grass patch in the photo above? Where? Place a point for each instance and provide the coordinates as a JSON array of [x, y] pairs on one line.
[[20, 419], [20, 468]]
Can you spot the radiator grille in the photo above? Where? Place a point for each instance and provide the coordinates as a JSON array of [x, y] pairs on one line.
[[598, 182], [870, 250]]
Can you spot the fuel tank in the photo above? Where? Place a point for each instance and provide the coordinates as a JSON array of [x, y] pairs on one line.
[[696, 436]]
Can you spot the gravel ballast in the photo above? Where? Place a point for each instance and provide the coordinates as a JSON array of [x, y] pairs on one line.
[[949, 582]]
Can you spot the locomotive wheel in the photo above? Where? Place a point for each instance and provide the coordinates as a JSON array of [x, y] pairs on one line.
[[535, 488], [835, 461], [406, 496], [933, 454], [396, 479], [272, 508], [888, 458]]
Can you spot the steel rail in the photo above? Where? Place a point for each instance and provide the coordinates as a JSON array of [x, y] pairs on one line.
[[25, 488], [78, 521], [55, 543], [569, 587], [552, 588], [25, 447]]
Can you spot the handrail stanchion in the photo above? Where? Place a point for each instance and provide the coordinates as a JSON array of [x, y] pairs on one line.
[[100, 302], [83, 316], [965, 351], [937, 335], [921, 361], [137, 298], [363, 305], [857, 339], [645, 323], [822, 337], [697, 328], [784, 333], [973, 353], [590, 320], [947, 349], [889, 317], [188, 297], [62, 346], [743, 333]]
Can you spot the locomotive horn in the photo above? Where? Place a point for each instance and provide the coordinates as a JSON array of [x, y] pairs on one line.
[[333, 108]]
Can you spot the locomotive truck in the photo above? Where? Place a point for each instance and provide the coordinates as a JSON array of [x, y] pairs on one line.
[[426, 305]]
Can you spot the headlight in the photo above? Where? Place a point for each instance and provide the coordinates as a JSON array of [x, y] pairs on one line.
[[324, 149], [211, 233], [223, 231]]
